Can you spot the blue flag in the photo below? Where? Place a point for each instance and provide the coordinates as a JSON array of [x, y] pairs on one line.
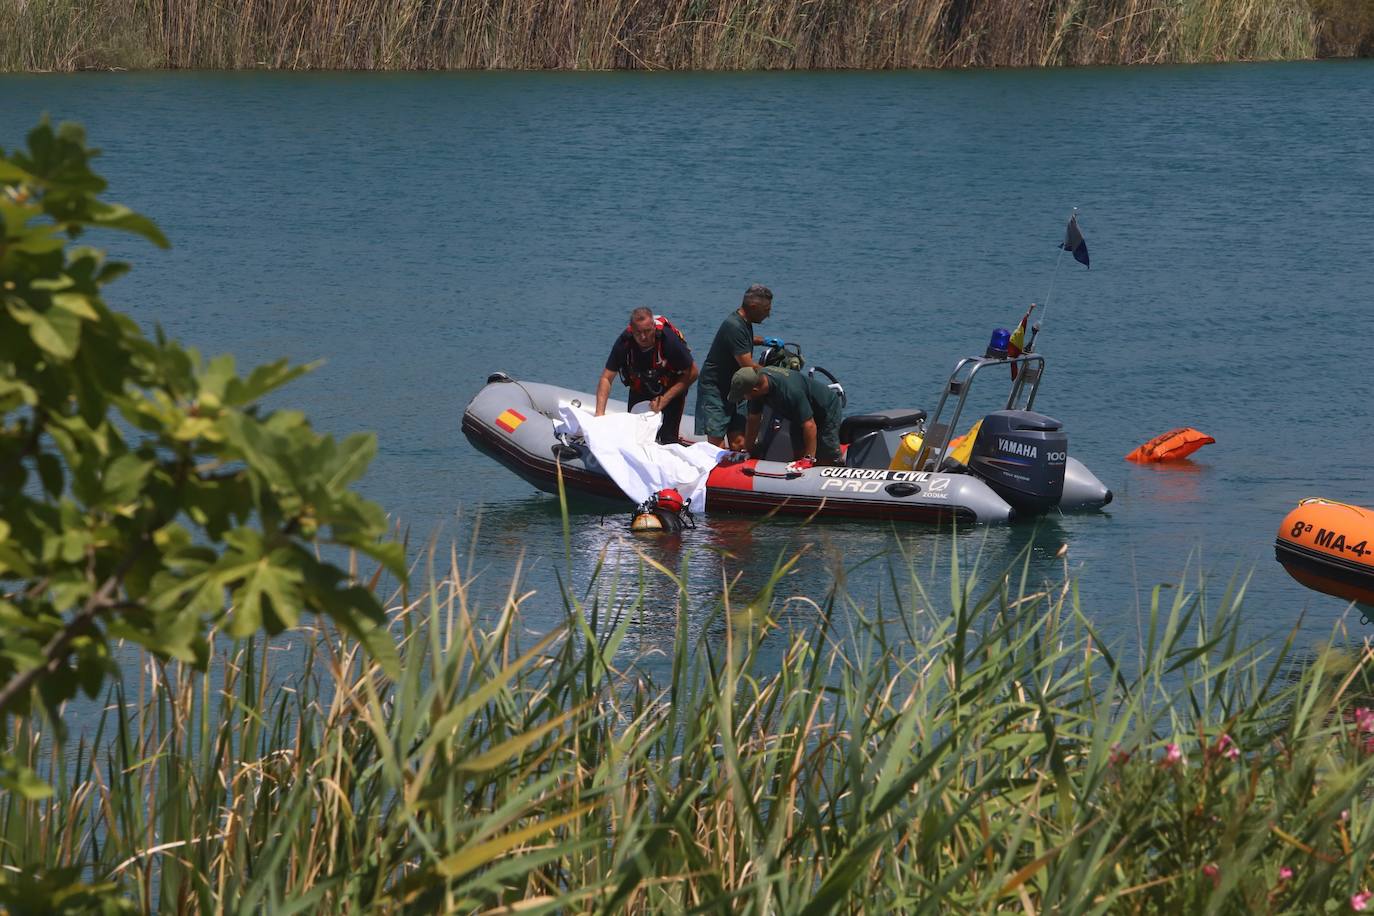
[[1073, 242]]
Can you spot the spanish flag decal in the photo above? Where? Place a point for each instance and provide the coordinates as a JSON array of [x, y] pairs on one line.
[[510, 420]]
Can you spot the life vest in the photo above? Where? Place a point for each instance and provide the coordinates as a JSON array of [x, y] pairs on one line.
[[659, 376]]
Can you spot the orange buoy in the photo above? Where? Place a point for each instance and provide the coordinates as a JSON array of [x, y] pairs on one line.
[[1329, 546], [1175, 445]]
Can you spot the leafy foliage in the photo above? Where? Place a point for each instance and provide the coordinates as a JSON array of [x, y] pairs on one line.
[[145, 493], [60, 893]]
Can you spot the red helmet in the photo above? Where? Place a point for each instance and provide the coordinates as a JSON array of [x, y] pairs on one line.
[[669, 499]]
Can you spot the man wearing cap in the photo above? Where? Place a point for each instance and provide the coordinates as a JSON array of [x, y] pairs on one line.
[[803, 400], [718, 418]]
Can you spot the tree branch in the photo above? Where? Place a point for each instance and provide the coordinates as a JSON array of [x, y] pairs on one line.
[[56, 650]]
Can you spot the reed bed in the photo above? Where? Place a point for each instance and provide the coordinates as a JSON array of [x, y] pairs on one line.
[[670, 34], [987, 755]]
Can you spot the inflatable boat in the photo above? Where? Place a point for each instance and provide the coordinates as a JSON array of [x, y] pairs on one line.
[[898, 465], [1329, 546]]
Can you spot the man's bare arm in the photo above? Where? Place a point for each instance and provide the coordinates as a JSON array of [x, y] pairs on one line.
[[603, 390]]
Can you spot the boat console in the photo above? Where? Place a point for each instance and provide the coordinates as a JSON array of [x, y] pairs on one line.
[[874, 438]]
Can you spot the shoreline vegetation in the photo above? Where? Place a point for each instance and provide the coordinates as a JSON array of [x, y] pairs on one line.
[[792, 756], [70, 35]]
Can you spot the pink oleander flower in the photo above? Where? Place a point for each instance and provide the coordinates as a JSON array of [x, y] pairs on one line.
[[1227, 748], [1117, 756], [1364, 719], [1285, 874], [1360, 902], [1173, 756], [1212, 871]]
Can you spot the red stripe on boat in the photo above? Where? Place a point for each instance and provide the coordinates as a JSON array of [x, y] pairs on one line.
[[732, 476]]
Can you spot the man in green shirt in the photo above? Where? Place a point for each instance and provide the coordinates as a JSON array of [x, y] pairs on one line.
[[803, 400], [733, 348]]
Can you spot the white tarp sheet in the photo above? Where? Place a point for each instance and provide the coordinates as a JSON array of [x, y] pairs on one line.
[[623, 443]]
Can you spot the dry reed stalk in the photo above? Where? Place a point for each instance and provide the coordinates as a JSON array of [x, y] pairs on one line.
[[671, 34]]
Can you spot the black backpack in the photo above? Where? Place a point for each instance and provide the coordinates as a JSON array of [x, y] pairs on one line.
[[789, 356]]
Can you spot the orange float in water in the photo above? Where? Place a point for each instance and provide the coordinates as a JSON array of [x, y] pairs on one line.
[[1329, 546], [1175, 445]]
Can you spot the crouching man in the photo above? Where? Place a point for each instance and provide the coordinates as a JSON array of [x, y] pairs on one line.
[[808, 404]]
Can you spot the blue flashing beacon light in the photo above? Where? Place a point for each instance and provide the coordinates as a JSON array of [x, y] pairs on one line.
[[997, 346]]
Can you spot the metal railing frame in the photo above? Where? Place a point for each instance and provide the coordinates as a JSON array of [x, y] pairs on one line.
[[1031, 367]]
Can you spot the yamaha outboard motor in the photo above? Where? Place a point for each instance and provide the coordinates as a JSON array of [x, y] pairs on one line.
[[1021, 455]]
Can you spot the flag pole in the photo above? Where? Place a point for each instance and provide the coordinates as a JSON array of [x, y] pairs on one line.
[[1045, 307]]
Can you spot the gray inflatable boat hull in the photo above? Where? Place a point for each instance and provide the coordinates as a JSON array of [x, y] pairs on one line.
[[513, 422]]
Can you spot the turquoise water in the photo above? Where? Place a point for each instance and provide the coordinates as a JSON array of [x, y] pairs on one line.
[[418, 232]]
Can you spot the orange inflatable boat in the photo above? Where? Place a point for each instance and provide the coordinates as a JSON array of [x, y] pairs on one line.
[[1329, 546]]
